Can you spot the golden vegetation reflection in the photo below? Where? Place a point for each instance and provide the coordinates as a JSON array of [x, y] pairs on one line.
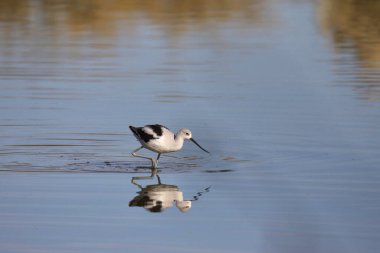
[[102, 17], [43, 35], [354, 28]]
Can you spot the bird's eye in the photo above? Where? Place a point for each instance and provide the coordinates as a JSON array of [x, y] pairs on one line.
[[187, 134]]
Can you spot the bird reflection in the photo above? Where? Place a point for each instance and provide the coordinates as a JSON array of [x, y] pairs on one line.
[[158, 197]]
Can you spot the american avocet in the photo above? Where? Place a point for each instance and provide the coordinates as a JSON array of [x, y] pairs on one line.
[[160, 139]]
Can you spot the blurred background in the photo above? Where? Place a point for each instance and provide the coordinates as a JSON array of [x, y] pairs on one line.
[[284, 93]]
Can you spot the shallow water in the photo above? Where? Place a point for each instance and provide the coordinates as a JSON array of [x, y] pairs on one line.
[[285, 95]]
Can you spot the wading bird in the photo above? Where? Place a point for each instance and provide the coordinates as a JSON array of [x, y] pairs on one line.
[[160, 139]]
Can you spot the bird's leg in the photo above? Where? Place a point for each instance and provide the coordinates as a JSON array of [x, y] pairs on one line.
[[134, 152], [154, 162], [154, 173]]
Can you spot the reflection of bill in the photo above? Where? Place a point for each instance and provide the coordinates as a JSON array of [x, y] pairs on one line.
[[158, 197]]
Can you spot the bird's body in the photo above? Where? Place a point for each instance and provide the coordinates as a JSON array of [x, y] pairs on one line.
[[160, 139], [157, 138]]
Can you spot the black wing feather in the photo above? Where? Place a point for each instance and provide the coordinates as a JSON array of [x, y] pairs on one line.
[[140, 134], [157, 129]]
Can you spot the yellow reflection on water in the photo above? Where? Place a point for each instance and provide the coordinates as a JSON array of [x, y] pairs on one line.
[[354, 28], [100, 17], [81, 38]]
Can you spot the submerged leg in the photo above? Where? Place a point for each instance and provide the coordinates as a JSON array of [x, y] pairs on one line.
[[154, 173], [154, 162]]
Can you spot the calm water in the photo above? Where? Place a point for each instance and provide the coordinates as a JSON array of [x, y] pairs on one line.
[[285, 95]]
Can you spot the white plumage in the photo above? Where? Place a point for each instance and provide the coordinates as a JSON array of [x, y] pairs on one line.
[[160, 139]]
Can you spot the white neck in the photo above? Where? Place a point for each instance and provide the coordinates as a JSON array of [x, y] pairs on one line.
[[178, 140]]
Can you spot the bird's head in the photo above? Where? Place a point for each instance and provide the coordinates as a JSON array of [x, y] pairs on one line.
[[186, 134]]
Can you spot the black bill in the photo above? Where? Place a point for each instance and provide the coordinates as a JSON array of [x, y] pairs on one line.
[[199, 145]]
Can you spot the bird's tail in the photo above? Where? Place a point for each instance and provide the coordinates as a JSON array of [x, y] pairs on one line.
[[133, 129]]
